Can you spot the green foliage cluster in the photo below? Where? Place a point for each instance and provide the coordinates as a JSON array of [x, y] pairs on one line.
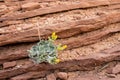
[[44, 51]]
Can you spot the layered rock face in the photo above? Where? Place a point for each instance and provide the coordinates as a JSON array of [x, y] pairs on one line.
[[90, 29]]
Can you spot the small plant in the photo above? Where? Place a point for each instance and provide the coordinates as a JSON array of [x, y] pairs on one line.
[[46, 50]]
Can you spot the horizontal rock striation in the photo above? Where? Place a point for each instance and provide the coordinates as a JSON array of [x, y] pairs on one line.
[[90, 29]]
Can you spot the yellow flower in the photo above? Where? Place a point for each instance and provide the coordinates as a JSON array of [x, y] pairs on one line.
[[61, 47], [65, 46], [54, 36], [57, 61]]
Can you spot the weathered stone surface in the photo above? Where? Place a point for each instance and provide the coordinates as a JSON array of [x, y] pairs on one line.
[[116, 69], [42, 11], [80, 78], [51, 77], [30, 6], [72, 42], [25, 1], [6, 23], [3, 9], [1, 0], [117, 49], [32, 35], [62, 75], [81, 63], [30, 75], [90, 29], [9, 64]]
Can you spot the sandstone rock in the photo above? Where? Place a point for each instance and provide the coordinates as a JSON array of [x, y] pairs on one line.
[[116, 69], [111, 75], [9, 64], [62, 75], [30, 75], [51, 77], [3, 9], [8, 1], [79, 78], [30, 6], [90, 38], [13, 23], [58, 8], [72, 75], [86, 63], [27, 35], [90, 29], [1, 0]]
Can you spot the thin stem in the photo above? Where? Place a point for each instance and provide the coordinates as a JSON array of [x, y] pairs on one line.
[[38, 31]]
